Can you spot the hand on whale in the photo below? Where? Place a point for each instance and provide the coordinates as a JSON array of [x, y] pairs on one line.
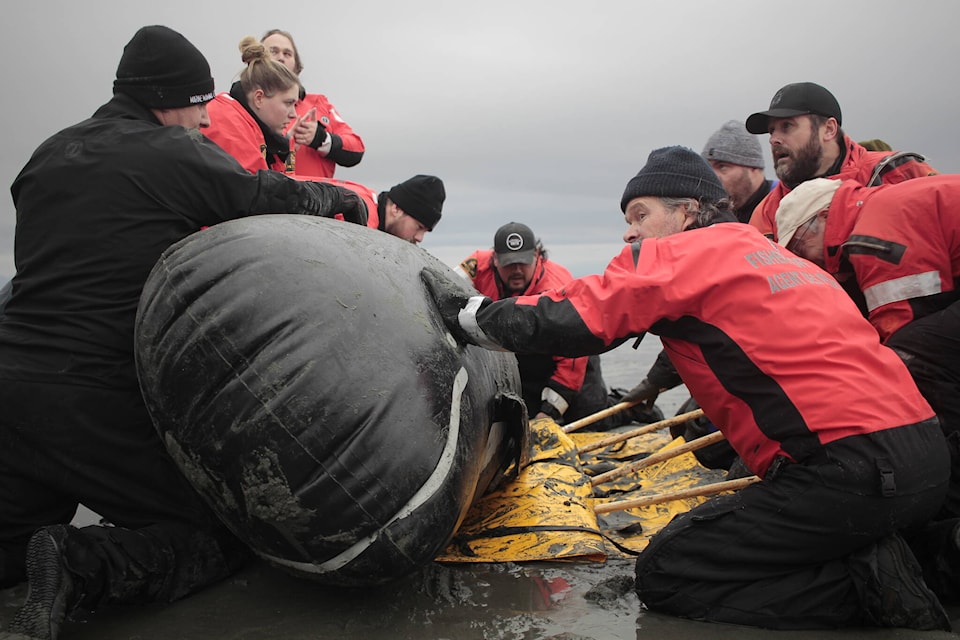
[[449, 299]]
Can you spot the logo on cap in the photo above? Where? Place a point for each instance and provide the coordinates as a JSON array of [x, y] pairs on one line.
[[201, 98], [514, 242]]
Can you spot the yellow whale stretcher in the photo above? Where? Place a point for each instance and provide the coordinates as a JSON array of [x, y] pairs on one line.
[[555, 508]]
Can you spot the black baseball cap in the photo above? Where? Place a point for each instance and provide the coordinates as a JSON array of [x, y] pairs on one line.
[[795, 100], [513, 243]]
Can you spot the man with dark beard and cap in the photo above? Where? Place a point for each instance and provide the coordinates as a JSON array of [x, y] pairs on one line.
[[565, 389], [807, 142], [848, 450], [97, 204]]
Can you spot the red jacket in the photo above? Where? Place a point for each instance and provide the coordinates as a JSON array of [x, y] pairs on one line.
[[903, 243], [858, 164], [775, 351], [568, 373], [237, 133], [342, 146]]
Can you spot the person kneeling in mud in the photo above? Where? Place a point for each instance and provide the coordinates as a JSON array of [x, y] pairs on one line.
[[779, 356]]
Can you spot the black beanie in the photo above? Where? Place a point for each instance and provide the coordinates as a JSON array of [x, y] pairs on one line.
[[674, 172], [161, 69], [421, 197]]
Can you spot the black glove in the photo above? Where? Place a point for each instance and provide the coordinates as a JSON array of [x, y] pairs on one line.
[[354, 209], [449, 298], [319, 137], [328, 200], [663, 373], [644, 393]]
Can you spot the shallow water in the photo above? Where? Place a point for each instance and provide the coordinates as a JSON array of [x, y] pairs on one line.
[[564, 601], [490, 602]]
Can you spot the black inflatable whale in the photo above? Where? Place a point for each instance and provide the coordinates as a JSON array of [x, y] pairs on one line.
[[302, 379]]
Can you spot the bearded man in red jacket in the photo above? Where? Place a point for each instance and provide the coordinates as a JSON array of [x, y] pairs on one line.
[[565, 389], [807, 142]]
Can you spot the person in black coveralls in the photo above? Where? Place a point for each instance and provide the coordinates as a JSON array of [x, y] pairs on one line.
[[96, 206]]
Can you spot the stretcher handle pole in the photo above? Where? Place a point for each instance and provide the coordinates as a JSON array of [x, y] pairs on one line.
[[598, 416], [660, 456], [692, 492], [649, 428]]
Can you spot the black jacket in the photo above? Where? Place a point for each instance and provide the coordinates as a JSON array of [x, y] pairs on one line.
[[97, 204]]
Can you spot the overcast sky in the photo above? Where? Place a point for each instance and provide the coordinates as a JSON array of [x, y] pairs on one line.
[[536, 112]]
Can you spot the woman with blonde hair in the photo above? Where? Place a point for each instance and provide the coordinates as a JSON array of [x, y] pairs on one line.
[[248, 121]]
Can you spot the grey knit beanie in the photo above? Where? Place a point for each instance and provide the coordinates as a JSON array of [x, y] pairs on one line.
[[734, 144], [674, 172]]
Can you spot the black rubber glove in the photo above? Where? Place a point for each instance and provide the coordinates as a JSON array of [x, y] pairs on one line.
[[354, 209], [319, 137], [644, 393], [449, 298], [328, 200]]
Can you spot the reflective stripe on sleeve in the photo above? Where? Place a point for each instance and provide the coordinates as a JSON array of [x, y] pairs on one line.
[[468, 322], [905, 288], [554, 399]]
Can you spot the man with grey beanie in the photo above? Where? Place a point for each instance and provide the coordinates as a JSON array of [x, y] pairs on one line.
[[736, 157], [848, 450], [97, 204]]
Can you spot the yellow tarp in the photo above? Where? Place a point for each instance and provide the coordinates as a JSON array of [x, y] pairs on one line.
[[668, 476], [547, 511]]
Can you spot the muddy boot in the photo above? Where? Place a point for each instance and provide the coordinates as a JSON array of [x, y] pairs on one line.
[[936, 547], [892, 590], [50, 592]]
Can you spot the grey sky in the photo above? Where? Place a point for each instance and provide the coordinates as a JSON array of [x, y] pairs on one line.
[[537, 112]]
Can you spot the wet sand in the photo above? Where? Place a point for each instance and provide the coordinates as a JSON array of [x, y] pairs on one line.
[[490, 602]]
